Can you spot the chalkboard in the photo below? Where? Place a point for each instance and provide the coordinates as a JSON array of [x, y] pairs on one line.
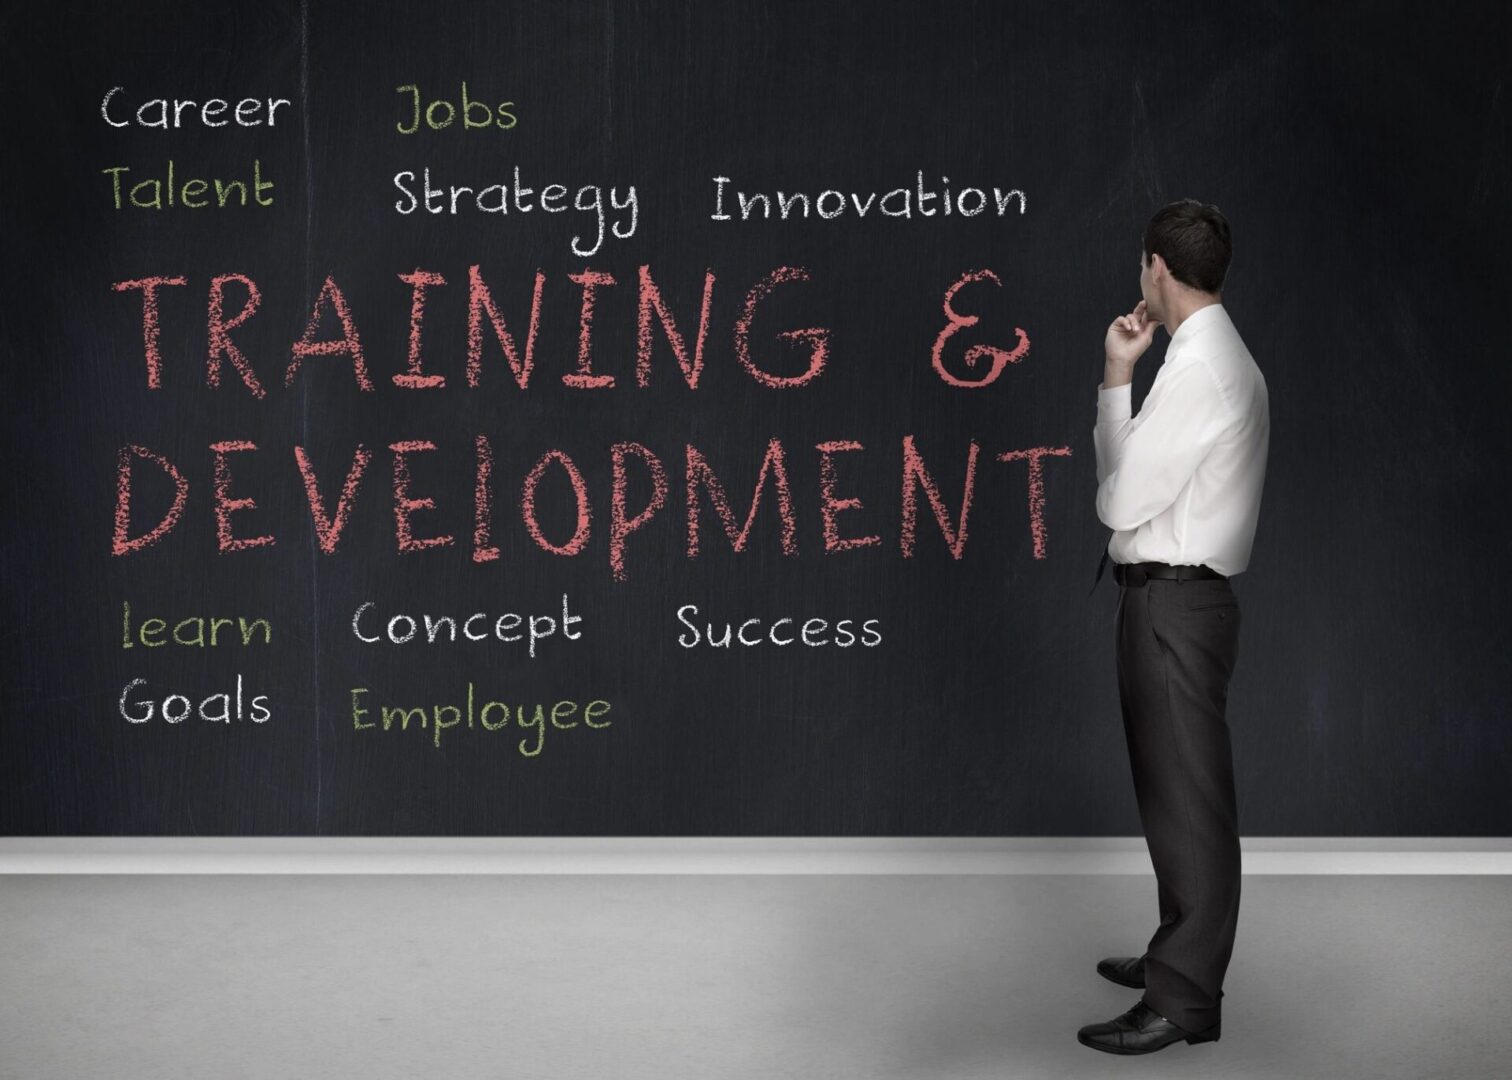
[[500, 316]]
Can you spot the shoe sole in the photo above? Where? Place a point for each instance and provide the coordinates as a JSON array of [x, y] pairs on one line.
[[1127, 1052]]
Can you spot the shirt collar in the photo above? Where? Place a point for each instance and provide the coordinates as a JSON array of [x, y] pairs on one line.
[[1192, 324]]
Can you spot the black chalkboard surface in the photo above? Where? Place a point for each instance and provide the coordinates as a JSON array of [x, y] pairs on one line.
[[333, 329]]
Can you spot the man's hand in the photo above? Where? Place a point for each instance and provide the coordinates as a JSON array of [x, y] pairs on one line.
[[1128, 337]]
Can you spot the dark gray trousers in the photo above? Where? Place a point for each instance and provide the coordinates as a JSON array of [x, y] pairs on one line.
[[1177, 645]]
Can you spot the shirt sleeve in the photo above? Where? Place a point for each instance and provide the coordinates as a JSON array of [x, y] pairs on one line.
[[1114, 407], [1144, 461]]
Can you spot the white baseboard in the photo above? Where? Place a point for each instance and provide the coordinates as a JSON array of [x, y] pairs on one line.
[[724, 855]]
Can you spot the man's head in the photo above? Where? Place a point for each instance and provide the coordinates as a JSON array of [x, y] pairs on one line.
[[1185, 258]]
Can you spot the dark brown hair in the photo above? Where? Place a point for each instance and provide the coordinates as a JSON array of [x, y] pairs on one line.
[[1193, 239]]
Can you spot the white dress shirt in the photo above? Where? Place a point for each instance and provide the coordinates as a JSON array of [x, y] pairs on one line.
[[1180, 483]]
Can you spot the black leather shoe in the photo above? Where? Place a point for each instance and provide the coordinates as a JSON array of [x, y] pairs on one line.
[[1124, 970], [1141, 1030]]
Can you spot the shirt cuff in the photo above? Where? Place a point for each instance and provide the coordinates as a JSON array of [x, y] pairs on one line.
[[1113, 403]]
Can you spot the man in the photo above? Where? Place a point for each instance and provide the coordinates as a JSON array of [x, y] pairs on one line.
[[1180, 487]]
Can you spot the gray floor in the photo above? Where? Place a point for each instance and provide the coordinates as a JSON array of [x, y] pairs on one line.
[[708, 976]]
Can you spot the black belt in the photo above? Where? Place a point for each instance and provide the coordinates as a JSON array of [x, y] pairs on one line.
[[1136, 574]]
